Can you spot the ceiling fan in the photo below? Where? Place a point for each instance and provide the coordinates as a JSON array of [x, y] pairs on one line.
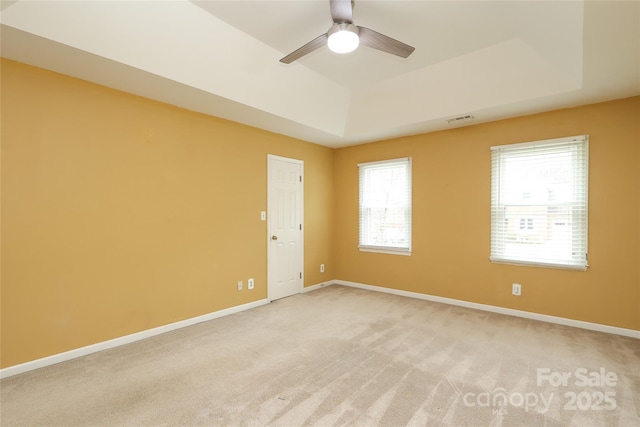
[[344, 36]]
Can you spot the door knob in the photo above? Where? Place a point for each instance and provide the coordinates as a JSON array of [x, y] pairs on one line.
[[274, 237]]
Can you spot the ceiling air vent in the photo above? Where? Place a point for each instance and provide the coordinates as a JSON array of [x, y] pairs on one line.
[[460, 119]]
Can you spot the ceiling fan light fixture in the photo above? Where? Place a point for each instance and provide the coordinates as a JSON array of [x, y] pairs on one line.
[[343, 38]]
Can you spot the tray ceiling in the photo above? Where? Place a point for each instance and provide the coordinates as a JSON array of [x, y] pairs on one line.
[[488, 59]]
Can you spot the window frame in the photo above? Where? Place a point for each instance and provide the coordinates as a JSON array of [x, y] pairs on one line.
[[578, 260], [387, 249]]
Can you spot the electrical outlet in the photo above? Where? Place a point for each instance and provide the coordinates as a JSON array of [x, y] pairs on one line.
[[516, 289], [321, 268], [250, 284], [239, 285]]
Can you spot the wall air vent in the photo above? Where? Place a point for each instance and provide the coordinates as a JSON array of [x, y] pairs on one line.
[[460, 119]]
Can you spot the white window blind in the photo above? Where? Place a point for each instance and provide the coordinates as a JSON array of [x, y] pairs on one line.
[[539, 203], [385, 206]]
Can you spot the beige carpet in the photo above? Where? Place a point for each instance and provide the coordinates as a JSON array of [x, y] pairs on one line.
[[343, 356]]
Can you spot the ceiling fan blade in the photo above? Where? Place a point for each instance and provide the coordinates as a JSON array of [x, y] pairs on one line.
[[314, 44], [341, 11], [384, 43]]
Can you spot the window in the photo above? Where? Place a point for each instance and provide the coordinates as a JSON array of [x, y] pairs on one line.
[[385, 206], [539, 203], [526, 224]]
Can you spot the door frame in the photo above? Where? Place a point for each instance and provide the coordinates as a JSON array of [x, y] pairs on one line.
[[269, 212]]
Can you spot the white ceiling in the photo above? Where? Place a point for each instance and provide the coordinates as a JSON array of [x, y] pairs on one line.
[[489, 59]]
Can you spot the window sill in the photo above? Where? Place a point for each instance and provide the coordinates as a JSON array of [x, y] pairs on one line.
[[538, 264], [388, 251]]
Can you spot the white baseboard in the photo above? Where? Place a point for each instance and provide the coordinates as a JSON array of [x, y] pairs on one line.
[[501, 310], [94, 348], [317, 286]]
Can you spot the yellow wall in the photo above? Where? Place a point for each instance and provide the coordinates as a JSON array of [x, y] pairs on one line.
[[120, 214], [451, 217]]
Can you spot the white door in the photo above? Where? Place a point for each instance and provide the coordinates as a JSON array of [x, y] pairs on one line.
[[285, 227]]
